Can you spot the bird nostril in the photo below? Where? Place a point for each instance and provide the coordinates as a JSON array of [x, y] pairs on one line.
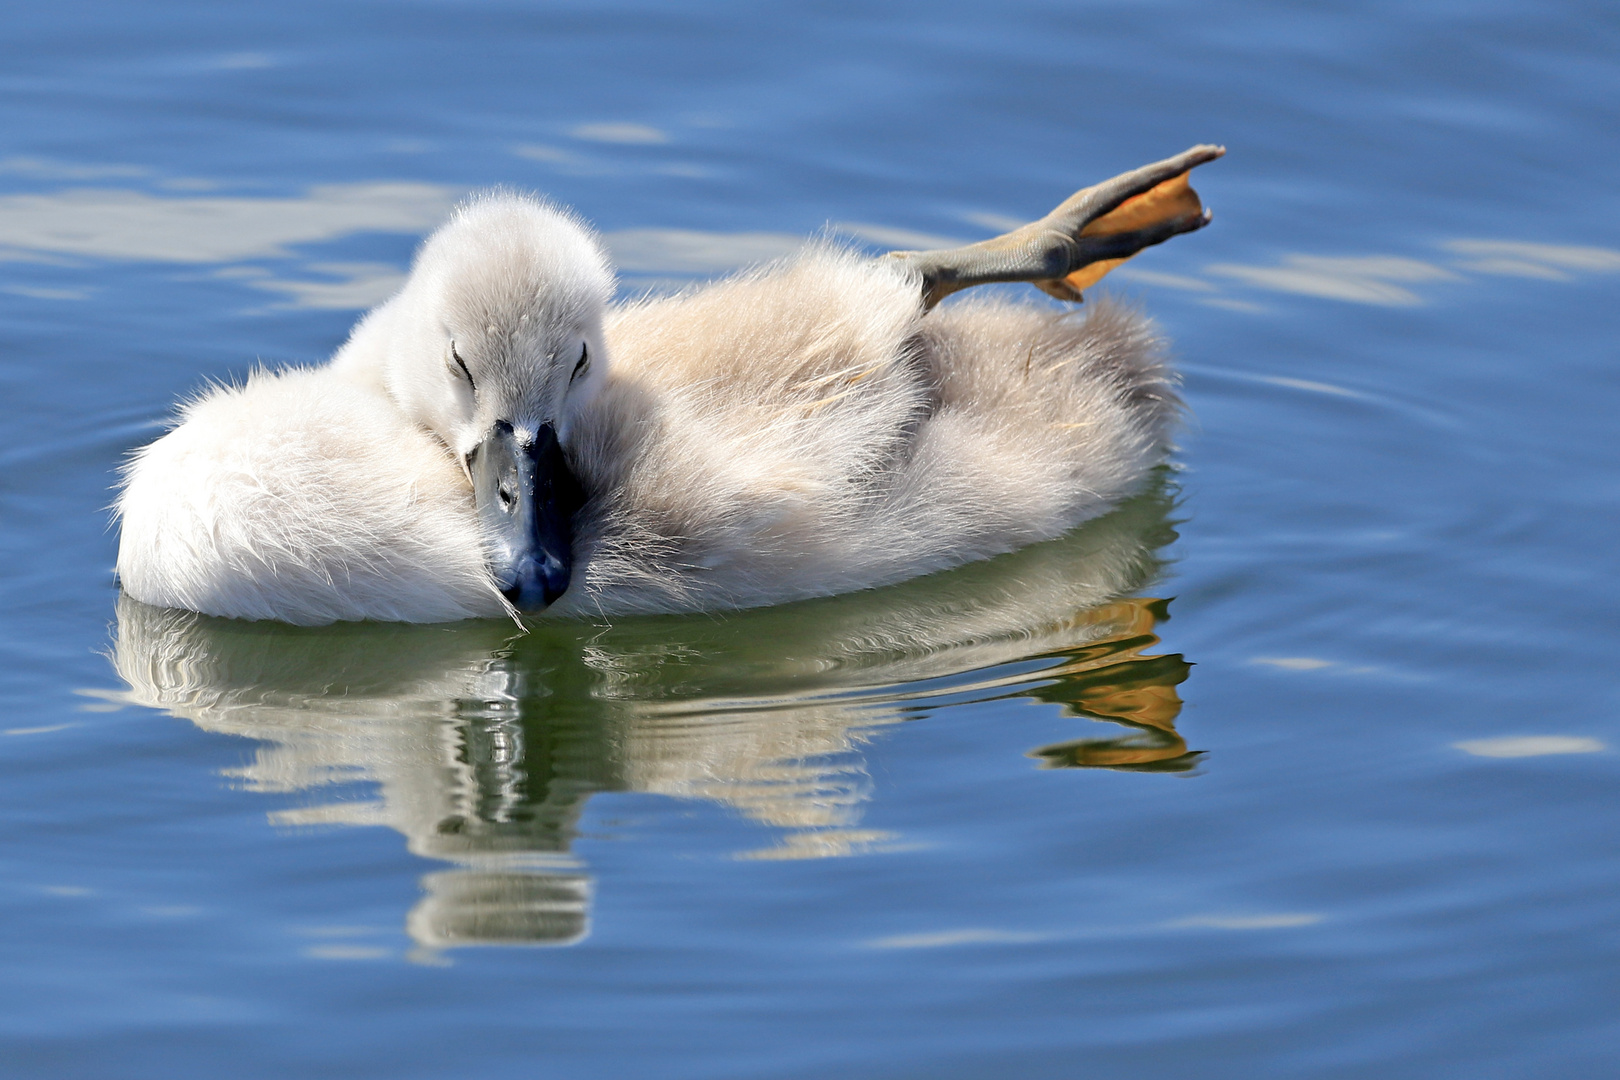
[[506, 497]]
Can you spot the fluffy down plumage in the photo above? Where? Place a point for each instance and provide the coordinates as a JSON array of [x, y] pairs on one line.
[[797, 430]]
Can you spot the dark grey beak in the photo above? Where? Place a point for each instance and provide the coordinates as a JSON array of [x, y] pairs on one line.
[[526, 497]]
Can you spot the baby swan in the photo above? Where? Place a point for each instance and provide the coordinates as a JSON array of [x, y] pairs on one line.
[[497, 438]]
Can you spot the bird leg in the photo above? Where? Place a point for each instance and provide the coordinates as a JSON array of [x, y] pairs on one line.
[[1090, 233]]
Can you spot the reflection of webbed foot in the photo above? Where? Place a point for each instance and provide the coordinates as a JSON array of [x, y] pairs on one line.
[[1148, 750], [1110, 680]]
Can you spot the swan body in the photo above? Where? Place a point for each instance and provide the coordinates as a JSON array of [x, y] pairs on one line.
[[801, 429]]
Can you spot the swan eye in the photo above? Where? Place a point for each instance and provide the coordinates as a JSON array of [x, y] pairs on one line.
[[462, 364], [584, 362]]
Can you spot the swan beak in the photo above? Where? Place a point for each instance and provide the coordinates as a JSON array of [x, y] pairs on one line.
[[526, 498]]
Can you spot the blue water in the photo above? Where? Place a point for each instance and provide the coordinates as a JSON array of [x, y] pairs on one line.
[[1303, 764]]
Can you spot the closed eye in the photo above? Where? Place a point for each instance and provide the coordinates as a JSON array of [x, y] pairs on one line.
[[462, 364], [584, 362]]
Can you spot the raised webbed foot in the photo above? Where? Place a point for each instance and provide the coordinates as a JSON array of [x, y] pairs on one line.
[[1090, 233]]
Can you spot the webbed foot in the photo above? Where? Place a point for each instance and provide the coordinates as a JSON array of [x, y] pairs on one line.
[[1087, 235]]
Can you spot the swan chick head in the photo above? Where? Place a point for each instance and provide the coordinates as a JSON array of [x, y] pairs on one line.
[[500, 320], [496, 346]]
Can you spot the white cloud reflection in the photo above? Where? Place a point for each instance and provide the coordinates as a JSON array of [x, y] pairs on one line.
[[185, 220], [1284, 920], [1517, 259], [1294, 663], [1366, 279], [1310, 386], [47, 169], [346, 952], [947, 938], [694, 251], [629, 134], [1391, 280], [1168, 281], [896, 239], [244, 61], [994, 222], [111, 223], [1517, 746], [352, 286], [34, 292], [1312, 663], [552, 155]]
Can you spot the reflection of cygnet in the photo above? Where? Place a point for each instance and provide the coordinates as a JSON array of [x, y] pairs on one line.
[[497, 437], [484, 743]]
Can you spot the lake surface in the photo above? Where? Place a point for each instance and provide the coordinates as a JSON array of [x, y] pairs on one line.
[[1303, 763]]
